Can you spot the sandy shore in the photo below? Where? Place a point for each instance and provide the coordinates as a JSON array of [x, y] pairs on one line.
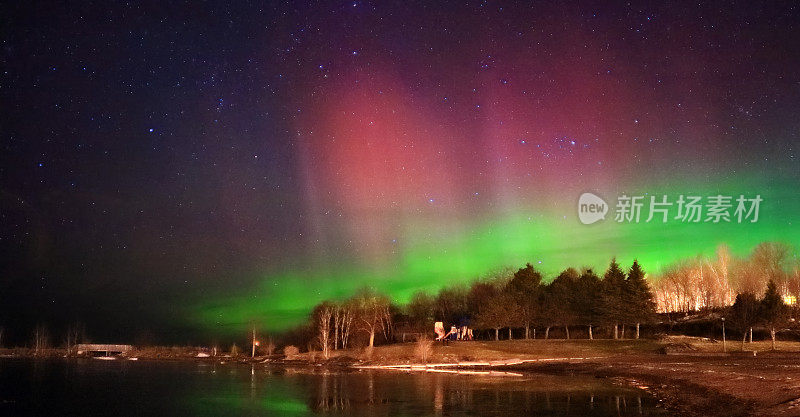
[[768, 385]]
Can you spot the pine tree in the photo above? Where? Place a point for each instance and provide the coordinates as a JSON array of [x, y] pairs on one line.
[[638, 297], [612, 306], [525, 280], [773, 311], [744, 313], [563, 293], [525, 287], [587, 299]]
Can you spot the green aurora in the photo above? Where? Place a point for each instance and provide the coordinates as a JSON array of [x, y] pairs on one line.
[[551, 242]]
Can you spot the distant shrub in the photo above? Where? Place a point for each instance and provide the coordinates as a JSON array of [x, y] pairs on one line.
[[291, 351], [234, 350], [423, 349]]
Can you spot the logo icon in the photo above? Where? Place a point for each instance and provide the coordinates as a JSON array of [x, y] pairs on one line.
[[591, 208]]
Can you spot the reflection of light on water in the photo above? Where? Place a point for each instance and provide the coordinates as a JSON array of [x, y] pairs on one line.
[[438, 397], [434, 392], [213, 389], [252, 381], [475, 392], [465, 372]]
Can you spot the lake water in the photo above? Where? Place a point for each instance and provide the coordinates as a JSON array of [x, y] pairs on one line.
[[140, 388]]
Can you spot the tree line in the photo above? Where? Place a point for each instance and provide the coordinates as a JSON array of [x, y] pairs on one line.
[[525, 302], [520, 301], [714, 282], [751, 290], [770, 311]]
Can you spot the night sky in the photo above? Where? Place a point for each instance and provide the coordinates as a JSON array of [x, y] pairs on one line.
[[173, 171]]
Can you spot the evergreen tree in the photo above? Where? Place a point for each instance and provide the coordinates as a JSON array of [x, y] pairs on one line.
[[587, 298], [525, 280], [525, 288], [562, 292], [638, 297], [773, 311], [744, 313], [612, 307]]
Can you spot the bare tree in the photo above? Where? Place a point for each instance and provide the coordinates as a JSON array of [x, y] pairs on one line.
[[343, 322], [705, 283], [337, 324], [323, 315], [76, 333], [678, 289], [768, 261], [714, 284], [41, 339], [269, 348], [372, 312], [690, 285]]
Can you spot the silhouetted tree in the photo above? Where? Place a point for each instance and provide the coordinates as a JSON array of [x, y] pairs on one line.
[[587, 298], [638, 299], [773, 311], [744, 313], [612, 305], [498, 312], [420, 311], [525, 288], [560, 299], [451, 304], [478, 294]]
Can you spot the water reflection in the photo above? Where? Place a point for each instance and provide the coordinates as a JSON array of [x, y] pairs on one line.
[[386, 393], [182, 388]]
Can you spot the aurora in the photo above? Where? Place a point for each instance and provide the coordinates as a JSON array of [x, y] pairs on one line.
[[192, 172], [435, 254]]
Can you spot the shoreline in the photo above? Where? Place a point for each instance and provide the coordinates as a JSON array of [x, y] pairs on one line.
[[696, 380], [683, 395]]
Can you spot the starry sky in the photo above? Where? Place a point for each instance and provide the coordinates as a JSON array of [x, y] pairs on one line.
[[176, 170]]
